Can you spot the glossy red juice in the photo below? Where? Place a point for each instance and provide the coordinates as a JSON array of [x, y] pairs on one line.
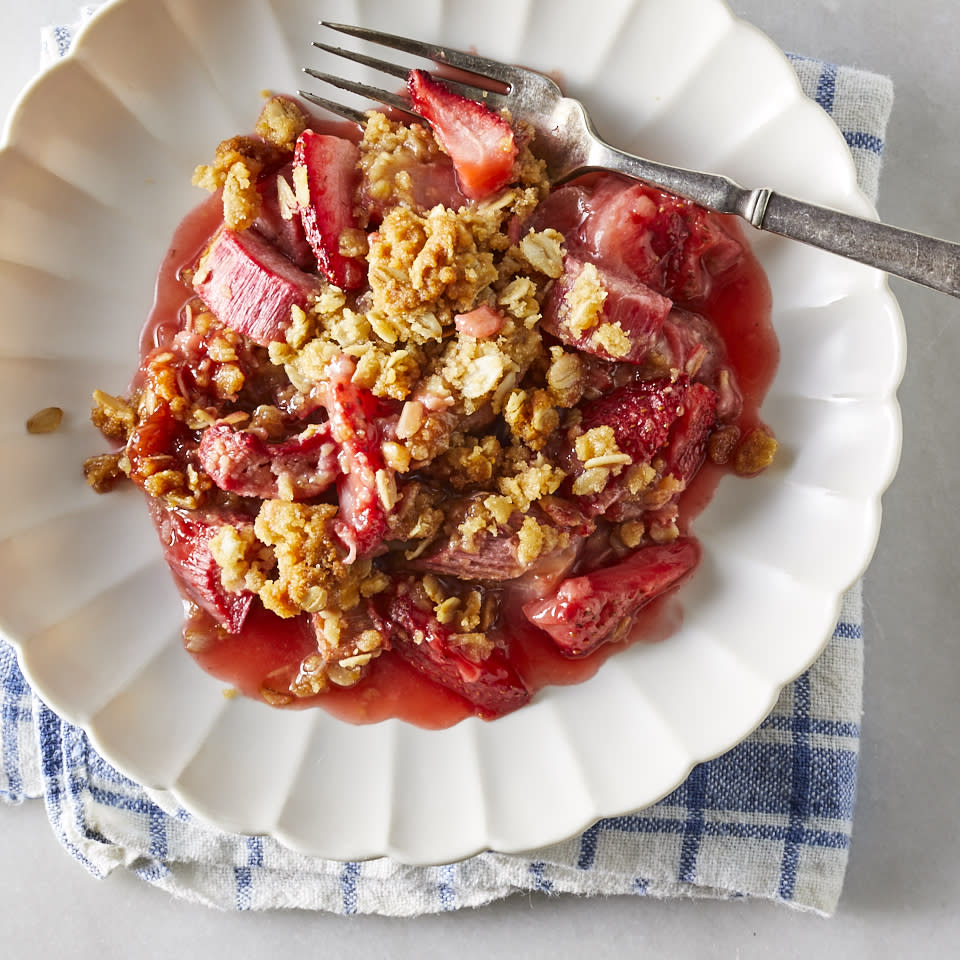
[[269, 649]]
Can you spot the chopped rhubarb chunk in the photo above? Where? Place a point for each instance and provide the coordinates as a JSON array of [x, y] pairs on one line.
[[242, 462], [279, 221], [480, 142], [504, 553], [599, 607], [250, 286], [481, 322], [689, 342], [633, 229], [185, 536], [496, 557], [613, 317], [325, 167], [491, 683], [601, 377], [421, 182]]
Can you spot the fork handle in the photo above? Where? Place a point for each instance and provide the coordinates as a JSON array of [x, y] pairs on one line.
[[914, 256]]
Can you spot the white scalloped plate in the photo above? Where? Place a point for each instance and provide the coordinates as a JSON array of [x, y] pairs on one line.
[[94, 177]]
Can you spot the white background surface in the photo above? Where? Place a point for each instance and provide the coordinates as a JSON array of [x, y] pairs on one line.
[[903, 882]]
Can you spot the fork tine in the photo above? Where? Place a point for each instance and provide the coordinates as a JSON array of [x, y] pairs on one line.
[[348, 113], [394, 69], [481, 66], [491, 98], [363, 89]]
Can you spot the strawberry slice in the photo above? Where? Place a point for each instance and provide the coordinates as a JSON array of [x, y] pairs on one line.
[[491, 685], [242, 462], [480, 142], [598, 607], [325, 167], [250, 286], [638, 310], [690, 433], [186, 545], [362, 520], [640, 413]]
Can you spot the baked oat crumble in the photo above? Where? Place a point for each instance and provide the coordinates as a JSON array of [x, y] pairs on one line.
[[47, 420]]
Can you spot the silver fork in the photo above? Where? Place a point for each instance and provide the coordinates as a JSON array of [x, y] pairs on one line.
[[570, 146]]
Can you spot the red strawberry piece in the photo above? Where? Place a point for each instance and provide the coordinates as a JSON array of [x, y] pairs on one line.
[[362, 520], [491, 685], [639, 311], [250, 286], [480, 142], [688, 438], [185, 537], [640, 413], [598, 607], [242, 462], [327, 166]]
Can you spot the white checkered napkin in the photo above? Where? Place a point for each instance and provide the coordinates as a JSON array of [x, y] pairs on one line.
[[771, 818], [860, 105]]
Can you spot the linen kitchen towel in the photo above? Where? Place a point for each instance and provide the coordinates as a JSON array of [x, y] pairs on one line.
[[772, 818]]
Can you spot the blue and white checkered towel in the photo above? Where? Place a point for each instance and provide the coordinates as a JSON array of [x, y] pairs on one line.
[[772, 818]]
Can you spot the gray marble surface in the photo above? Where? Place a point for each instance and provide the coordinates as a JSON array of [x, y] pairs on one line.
[[904, 876]]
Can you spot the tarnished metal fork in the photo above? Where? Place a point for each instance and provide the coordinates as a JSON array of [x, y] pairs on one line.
[[568, 143]]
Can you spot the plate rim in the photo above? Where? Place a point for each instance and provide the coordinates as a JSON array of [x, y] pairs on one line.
[[889, 402]]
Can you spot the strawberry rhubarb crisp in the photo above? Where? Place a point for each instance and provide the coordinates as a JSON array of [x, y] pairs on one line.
[[406, 418]]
